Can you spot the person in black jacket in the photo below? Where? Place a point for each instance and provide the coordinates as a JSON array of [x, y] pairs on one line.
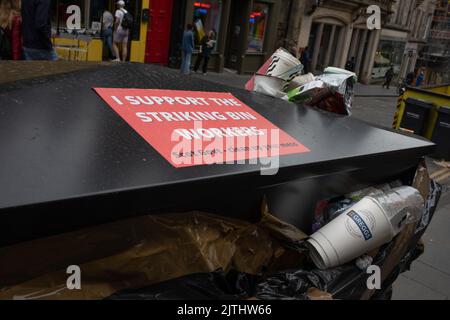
[[207, 45], [388, 78], [36, 30]]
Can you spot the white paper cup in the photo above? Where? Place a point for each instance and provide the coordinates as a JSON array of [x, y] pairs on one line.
[[301, 81], [362, 228], [269, 86], [283, 65]]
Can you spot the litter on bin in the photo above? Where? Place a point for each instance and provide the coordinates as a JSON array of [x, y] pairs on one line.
[[280, 78]]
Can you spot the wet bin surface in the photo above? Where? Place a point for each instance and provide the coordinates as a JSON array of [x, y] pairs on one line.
[[69, 161]]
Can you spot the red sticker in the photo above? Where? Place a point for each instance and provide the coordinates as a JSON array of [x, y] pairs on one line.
[[191, 128]]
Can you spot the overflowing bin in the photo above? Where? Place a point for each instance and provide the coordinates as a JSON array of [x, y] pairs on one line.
[[441, 133], [82, 186]]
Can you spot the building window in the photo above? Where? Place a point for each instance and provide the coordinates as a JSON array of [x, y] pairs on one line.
[[257, 29], [60, 15], [207, 14], [96, 12], [91, 15], [389, 54]]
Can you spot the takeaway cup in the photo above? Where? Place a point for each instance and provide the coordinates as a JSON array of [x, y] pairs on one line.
[[269, 86], [367, 225], [283, 65], [301, 81]]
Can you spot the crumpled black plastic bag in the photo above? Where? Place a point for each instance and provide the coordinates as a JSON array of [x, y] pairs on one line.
[[293, 285], [201, 286]]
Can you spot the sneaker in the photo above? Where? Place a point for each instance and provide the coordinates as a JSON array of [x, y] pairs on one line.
[[116, 60]]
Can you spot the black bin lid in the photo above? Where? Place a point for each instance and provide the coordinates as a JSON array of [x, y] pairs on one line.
[[444, 109], [419, 103]]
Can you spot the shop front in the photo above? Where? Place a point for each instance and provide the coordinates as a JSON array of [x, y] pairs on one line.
[[85, 43], [390, 53], [245, 31]]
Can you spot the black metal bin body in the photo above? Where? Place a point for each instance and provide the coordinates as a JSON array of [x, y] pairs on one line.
[[441, 133], [68, 161]]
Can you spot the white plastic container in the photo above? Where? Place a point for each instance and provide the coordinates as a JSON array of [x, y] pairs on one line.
[[369, 224]]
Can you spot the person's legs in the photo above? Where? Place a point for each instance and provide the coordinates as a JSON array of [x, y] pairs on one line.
[[183, 61], [125, 34], [26, 54], [53, 55], [38, 54], [205, 64], [117, 41], [125, 50], [108, 39], [188, 63], [198, 62], [116, 51]]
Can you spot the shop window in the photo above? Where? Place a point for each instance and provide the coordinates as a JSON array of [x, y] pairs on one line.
[[60, 15], [91, 15], [258, 23], [207, 14], [97, 8], [389, 54]]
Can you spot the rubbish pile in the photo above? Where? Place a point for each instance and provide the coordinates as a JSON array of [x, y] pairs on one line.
[[281, 77], [202, 256]]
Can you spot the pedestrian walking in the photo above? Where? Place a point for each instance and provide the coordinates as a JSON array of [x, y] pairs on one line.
[[410, 78], [10, 30], [107, 33], [207, 45], [305, 59], [187, 47], [350, 65], [420, 79], [37, 30], [388, 78], [123, 24]]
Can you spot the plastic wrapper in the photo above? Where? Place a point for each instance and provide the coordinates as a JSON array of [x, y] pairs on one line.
[[335, 207], [143, 251], [404, 205], [331, 91]]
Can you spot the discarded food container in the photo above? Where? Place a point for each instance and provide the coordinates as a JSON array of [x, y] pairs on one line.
[[281, 65], [415, 116], [270, 86], [367, 225], [441, 133], [301, 81], [284, 65]]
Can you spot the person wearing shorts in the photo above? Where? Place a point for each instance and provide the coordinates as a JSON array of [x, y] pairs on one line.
[[120, 34]]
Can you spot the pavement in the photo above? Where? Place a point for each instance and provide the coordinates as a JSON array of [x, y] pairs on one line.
[[429, 277]]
